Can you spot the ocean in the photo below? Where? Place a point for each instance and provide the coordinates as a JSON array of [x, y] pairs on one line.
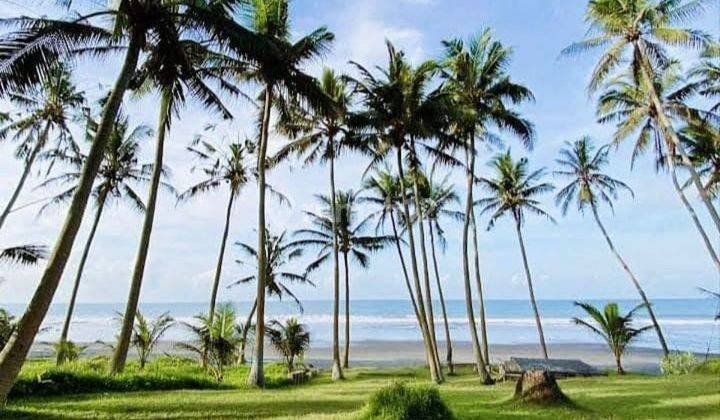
[[689, 324]]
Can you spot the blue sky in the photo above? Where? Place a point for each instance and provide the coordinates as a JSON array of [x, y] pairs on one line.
[[569, 260]]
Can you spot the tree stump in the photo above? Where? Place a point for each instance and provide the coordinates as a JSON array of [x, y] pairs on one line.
[[539, 386]]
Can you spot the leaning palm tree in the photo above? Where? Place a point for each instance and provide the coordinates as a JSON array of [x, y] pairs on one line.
[[116, 179], [590, 187], [483, 93], [322, 135], [513, 190], [282, 81], [47, 109], [280, 253], [615, 329], [351, 238], [638, 33]]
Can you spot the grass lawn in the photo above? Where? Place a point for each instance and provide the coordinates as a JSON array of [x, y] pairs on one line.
[[682, 397]]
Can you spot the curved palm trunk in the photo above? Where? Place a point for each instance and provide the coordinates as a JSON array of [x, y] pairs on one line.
[[15, 351], [481, 296], [256, 377], [427, 340], [448, 341], [78, 276], [403, 265], [221, 257], [634, 280], [543, 346], [123, 344], [246, 330], [39, 144], [477, 352], [346, 355], [337, 372]]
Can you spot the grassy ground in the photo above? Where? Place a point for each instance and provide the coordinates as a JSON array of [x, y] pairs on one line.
[[691, 396]]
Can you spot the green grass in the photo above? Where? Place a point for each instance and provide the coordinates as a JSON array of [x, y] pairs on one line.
[[633, 396]]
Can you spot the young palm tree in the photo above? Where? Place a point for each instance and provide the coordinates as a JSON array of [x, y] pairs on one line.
[[321, 135], [590, 187], [290, 339], [513, 190], [280, 253], [638, 32], [118, 172], [147, 333], [477, 80], [351, 238], [47, 109], [615, 329], [230, 168], [282, 80]]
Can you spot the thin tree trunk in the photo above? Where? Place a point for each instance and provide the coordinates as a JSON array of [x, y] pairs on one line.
[[481, 295], [346, 355], [246, 330], [618, 363], [256, 377], [448, 341], [427, 340], [543, 346], [477, 352], [39, 145], [123, 344], [337, 372], [15, 351], [403, 265], [634, 280], [221, 257], [81, 267]]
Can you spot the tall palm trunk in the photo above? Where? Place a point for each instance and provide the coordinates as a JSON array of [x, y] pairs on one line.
[[448, 341], [246, 331], [634, 280], [15, 351], [346, 355], [39, 144], [221, 257], [477, 352], [518, 228], [481, 295], [427, 340], [256, 377], [403, 265], [78, 276], [123, 344], [337, 372]]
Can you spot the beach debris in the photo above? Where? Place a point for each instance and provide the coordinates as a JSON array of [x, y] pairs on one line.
[[560, 368]]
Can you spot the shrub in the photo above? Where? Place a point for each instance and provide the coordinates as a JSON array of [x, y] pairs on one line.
[[67, 351], [710, 367], [401, 402], [678, 363]]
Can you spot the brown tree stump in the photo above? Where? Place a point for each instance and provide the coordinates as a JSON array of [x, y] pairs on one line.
[[539, 386]]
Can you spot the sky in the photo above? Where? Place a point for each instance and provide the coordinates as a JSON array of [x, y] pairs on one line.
[[569, 260]]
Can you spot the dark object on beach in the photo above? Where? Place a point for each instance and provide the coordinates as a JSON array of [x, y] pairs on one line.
[[539, 386], [560, 368]]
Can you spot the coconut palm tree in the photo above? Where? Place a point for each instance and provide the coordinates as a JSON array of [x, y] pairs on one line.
[[23, 254], [615, 329], [282, 81], [119, 172], [707, 76], [514, 190], [702, 140], [590, 187], [478, 81], [281, 252], [321, 135], [351, 238], [638, 33], [147, 333], [46, 109], [290, 339]]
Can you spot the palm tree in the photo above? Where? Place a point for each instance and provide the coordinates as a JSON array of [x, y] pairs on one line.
[[590, 187], [702, 140], [352, 241], [147, 333], [229, 167], [615, 329], [280, 253], [513, 190], [282, 80], [707, 75], [291, 340], [321, 135], [23, 254], [638, 32], [477, 80], [48, 108], [118, 172]]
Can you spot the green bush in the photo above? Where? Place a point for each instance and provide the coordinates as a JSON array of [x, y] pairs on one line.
[[402, 402], [708, 367], [678, 363]]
